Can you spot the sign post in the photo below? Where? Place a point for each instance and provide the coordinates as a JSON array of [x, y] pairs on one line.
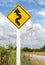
[[18, 16], [18, 48]]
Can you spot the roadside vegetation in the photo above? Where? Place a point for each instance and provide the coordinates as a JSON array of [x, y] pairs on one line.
[[40, 51], [30, 60], [8, 55], [25, 60]]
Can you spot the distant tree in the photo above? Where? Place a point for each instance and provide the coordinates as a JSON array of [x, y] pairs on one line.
[[36, 50], [43, 48], [10, 46], [26, 49]]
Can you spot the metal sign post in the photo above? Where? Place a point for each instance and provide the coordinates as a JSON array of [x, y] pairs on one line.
[[18, 19], [18, 53]]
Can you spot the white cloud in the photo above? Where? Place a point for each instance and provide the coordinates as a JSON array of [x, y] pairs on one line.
[[26, 0], [41, 2], [41, 13], [1, 33], [11, 3], [29, 1], [42, 21], [27, 26], [7, 30], [8, 33], [38, 37], [32, 10], [8, 3]]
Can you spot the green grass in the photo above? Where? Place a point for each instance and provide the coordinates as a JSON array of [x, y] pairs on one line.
[[12, 58], [25, 60]]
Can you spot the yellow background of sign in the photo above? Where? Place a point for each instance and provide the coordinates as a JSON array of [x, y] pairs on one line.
[[12, 16]]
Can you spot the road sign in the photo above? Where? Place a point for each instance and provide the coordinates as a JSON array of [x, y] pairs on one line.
[[18, 16]]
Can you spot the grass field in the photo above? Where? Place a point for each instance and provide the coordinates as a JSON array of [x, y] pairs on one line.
[[12, 58], [25, 59], [39, 53]]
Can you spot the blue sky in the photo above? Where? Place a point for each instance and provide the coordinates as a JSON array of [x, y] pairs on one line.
[[36, 8], [32, 6]]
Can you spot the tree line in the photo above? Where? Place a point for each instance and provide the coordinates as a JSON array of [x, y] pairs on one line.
[[25, 49]]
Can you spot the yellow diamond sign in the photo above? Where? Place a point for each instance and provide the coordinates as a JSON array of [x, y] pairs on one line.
[[18, 16]]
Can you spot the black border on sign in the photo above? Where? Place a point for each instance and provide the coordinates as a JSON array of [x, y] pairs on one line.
[[23, 10]]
